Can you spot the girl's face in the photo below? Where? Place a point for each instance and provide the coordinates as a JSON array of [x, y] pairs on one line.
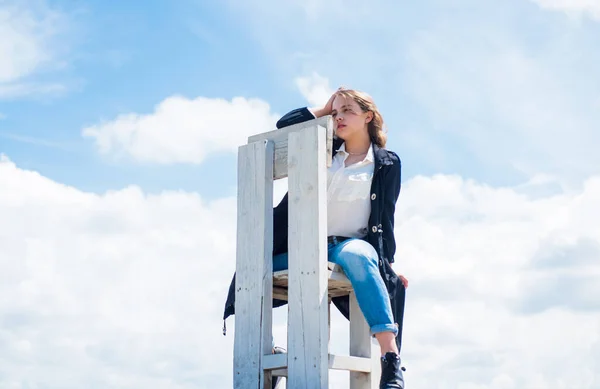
[[349, 119]]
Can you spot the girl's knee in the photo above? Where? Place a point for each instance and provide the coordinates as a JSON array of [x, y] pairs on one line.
[[357, 252]]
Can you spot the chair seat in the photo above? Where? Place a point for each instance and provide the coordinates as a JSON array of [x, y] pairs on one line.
[[337, 283]]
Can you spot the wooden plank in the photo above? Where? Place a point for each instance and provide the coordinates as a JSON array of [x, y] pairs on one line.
[[279, 372], [328, 324], [280, 293], [337, 283], [254, 265], [275, 361], [307, 304], [361, 345], [278, 363], [280, 139], [334, 267], [334, 277], [375, 364], [343, 362]]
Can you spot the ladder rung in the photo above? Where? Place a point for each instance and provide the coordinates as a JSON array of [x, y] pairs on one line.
[[278, 363], [344, 362], [274, 361]]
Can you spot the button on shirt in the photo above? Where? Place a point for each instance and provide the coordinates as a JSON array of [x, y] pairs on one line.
[[349, 195]]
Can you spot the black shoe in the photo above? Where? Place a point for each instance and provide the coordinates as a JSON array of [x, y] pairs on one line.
[[277, 350], [391, 373]]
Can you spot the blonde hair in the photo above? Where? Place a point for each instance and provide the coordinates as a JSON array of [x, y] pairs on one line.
[[365, 102]]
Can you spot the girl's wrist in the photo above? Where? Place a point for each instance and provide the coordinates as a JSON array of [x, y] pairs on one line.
[[318, 112]]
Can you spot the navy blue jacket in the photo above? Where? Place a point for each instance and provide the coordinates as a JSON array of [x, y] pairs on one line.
[[385, 189]]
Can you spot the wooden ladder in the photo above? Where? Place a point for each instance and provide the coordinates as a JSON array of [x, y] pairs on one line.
[[301, 152]]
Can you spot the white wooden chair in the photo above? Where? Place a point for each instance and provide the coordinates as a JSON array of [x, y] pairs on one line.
[[302, 153]]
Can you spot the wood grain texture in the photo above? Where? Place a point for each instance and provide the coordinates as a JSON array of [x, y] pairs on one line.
[[337, 282], [307, 304], [353, 364], [280, 139], [275, 361], [278, 363], [254, 265], [362, 345]]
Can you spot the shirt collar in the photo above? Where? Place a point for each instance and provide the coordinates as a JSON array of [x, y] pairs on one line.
[[381, 155], [370, 157]]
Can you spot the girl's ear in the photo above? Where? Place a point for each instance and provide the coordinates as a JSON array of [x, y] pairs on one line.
[[369, 116]]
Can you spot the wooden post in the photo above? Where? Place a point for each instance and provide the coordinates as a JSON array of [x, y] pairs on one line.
[[361, 346], [308, 300], [254, 265]]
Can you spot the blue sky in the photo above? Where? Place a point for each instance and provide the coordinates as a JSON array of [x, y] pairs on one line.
[[120, 59], [119, 124], [435, 83]]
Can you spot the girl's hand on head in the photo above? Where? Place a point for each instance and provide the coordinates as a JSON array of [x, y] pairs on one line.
[[329, 106], [326, 110]]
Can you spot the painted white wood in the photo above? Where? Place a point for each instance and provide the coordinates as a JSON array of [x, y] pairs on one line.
[[278, 363], [375, 364], [280, 139], [307, 241], [361, 345], [254, 265], [311, 280], [338, 283], [279, 372], [281, 384], [328, 324], [351, 363], [335, 276], [275, 361]]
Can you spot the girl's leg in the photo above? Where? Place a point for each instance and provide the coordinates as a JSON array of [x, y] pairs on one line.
[[359, 260]]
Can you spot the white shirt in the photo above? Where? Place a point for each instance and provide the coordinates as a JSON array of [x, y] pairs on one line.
[[348, 195]]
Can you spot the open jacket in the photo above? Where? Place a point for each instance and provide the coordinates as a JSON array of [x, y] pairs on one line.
[[385, 189]]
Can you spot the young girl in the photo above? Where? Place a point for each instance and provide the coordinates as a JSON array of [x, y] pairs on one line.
[[363, 185]]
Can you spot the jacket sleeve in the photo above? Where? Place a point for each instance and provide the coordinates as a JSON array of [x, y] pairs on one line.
[[395, 179], [392, 192], [295, 116], [280, 226]]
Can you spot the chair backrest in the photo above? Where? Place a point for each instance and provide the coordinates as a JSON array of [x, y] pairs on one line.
[[301, 152]]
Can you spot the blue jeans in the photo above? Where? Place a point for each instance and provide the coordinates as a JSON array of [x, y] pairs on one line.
[[359, 261]]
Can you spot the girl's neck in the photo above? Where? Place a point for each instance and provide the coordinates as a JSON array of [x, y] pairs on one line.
[[358, 144]]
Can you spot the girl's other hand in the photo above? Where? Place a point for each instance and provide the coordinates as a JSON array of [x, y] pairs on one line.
[[404, 280]]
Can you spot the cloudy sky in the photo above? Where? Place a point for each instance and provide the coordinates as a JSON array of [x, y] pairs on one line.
[[119, 126]]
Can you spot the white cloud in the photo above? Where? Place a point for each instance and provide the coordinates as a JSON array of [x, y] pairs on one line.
[[181, 130], [495, 275], [121, 289], [315, 89], [28, 45], [127, 288], [573, 7]]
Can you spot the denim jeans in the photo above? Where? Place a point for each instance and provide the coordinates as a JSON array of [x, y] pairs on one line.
[[359, 261]]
